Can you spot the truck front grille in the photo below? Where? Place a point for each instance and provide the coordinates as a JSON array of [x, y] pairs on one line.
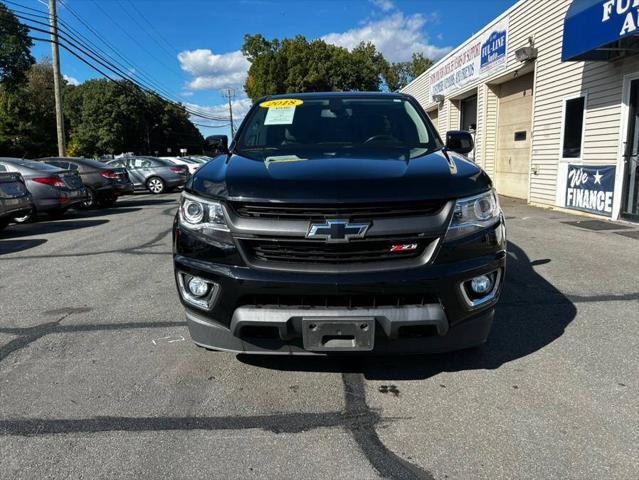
[[313, 212], [318, 252]]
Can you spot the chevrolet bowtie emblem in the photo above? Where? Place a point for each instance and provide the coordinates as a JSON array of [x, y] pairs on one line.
[[337, 230]]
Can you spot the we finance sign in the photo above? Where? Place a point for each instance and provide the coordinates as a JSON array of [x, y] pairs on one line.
[[591, 189], [484, 55]]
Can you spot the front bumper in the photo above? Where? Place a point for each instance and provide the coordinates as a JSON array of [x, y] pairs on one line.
[[469, 333], [443, 321]]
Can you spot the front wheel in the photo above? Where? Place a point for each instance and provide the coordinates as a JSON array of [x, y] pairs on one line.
[[90, 202], [155, 185]]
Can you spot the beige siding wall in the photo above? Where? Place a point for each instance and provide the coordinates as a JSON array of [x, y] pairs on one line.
[[490, 130], [453, 115], [480, 134], [555, 81]]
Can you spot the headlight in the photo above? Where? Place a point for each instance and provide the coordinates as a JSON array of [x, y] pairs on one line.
[[201, 215], [473, 214]]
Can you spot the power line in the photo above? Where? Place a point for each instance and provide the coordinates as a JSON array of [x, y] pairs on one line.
[[135, 40], [69, 46], [116, 51], [145, 30], [66, 37], [102, 54]]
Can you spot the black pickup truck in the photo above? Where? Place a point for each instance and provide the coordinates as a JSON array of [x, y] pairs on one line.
[[336, 223]]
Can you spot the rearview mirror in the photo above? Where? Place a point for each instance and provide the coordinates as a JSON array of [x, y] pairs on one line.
[[216, 144], [460, 141]]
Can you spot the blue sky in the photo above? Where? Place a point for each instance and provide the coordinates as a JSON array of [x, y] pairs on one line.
[[192, 50]]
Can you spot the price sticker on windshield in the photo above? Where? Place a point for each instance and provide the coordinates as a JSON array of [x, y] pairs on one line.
[[280, 111], [281, 103]]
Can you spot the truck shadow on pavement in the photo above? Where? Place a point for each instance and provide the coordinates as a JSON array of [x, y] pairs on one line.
[[531, 314]]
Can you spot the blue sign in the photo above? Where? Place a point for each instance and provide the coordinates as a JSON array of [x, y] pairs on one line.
[[493, 49], [591, 188], [592, 24]]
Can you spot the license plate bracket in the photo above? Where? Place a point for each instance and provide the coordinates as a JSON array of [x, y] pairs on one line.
[[338, 334]]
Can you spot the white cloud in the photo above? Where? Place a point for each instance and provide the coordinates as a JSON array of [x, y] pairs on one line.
[[213, 71], [397, 36], [385, 5], [71, 80]]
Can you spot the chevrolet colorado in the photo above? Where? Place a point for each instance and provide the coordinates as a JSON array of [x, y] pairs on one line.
[[337, 223]]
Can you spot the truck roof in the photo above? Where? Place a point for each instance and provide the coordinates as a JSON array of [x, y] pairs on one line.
[[335, 94]]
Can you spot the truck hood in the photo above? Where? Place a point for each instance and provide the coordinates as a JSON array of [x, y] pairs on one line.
[[309, 177]]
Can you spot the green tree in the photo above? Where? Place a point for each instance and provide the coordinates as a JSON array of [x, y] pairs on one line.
[[115, 117], [15, 45], [27, 114], [297, 65], [398, 75]]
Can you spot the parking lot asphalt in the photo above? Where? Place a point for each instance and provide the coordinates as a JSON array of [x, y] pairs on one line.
[[99, 379]]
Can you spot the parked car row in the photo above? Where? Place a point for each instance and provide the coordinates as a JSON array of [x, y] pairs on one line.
[[154, 174], [52, 185]]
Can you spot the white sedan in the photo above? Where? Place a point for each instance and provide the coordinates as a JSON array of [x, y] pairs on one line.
[[186, 162]]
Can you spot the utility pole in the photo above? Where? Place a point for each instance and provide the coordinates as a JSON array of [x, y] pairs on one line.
[[57, 78], [230, 94]]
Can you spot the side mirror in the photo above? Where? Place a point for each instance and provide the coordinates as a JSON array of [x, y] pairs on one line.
[[460, 141], [216, 144]]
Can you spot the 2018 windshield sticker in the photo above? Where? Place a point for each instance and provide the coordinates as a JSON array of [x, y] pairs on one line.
[[281, 103]]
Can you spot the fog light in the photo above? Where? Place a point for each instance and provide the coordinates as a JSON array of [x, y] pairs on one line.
[[481, 284], [198, 287]]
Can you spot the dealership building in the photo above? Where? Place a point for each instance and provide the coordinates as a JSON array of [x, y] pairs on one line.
[[550, 89]]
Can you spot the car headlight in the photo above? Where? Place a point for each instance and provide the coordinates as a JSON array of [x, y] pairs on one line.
[[201, 215], [473, 214]]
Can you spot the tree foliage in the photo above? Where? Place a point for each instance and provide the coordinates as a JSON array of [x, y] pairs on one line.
[[299, 65], [115, 117], [101, 117], [27, 114], [398, 75], [15, 45]]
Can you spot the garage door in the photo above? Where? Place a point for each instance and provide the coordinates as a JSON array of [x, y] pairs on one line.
[[513, 138]]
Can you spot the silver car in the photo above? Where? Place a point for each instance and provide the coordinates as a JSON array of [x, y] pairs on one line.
[[15, 199], [153, 174], [53, 189]]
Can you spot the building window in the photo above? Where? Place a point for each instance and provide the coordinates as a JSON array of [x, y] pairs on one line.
[[573, 127]]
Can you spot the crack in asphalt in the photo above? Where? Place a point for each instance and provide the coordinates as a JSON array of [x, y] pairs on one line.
[[276, 423], [28, 335], [362, 425]]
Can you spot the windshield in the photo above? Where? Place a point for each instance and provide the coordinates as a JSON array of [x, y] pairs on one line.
[[352, 123]]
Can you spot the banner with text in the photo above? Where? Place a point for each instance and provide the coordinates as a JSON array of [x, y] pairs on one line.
[[591, 189], [484, 55]]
